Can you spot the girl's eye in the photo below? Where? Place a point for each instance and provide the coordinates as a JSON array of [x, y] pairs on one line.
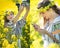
[[11, 14]]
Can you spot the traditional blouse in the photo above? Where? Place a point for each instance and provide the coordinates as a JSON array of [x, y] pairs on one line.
[[15, 29], [55, 25]]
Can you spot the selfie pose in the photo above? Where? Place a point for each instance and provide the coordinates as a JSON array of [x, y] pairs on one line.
[[15, 24]]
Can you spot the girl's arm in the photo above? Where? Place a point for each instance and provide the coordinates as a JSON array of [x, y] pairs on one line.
[[27, 11], [42, 31], [18, 15]]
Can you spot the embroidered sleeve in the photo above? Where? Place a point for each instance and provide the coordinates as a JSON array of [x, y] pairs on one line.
[[56, 27]]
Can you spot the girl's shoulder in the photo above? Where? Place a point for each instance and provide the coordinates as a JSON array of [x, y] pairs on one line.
[[56, 20], [21, 22]]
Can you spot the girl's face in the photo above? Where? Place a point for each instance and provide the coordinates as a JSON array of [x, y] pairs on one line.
[[10, 17], [46, 14]]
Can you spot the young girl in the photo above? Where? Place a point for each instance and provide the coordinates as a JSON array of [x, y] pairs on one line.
[[52, 23], [13, 23]]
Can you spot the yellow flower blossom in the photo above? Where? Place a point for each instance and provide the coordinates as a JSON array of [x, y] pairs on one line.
[[0, 35], [26, 27], [14, 43], [14, 37], [26, 44], [26, 31], [21, 38], [3, 35], [10, 46], [53, 45], [5, 43], [25, 41], [6, 30], [31, 46]]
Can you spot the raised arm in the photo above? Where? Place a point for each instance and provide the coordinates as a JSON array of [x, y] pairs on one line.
[[27, 11], [18, 15]]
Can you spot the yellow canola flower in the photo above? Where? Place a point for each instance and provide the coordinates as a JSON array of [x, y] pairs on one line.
[[3, 35], [53, 45], [25, 41], [35, 44], [14, 43], [14, 37], [26, 27], [26, 31], [31, 37], [5, 43], [26, 44], [21, 38], [0, 35], [31, 46], [6, 30], [10, 46]]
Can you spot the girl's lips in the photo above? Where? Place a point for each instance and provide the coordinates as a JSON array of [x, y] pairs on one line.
[[11, 17]]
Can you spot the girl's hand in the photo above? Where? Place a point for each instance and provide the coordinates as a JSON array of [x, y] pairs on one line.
[[37, 28], [42, 31]]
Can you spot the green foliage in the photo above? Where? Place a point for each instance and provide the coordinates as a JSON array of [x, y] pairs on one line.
[[26, 36]]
